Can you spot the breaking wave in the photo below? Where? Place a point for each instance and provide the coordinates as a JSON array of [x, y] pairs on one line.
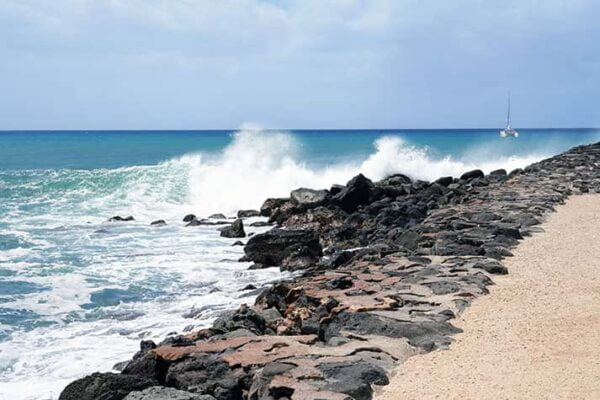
[[254, 166]]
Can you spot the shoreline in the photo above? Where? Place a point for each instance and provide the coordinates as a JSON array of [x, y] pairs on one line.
[[536, 336], [387, 267]]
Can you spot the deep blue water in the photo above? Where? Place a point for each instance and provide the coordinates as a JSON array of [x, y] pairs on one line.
[[77, 293], [113, 149]]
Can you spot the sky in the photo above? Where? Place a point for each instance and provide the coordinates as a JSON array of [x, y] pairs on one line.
[[219, 64]]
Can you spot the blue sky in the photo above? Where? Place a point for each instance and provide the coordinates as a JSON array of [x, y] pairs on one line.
[[202, 64]]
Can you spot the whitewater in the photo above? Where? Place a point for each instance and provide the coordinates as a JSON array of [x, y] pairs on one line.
[[78, 293]]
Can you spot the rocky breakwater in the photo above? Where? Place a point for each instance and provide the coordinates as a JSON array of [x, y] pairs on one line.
[[386, 267]]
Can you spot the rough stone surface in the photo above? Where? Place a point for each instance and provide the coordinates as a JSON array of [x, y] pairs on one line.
[[105, 386], [273, 247], [165, 393], [309, 197], [386, 268]]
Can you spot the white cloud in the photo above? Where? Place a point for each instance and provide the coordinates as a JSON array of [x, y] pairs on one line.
[[322, 56]]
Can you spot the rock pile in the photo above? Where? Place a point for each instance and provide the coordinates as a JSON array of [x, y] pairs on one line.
[[387, 266]]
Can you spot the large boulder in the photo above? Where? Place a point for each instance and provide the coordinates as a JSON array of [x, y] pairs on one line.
[[358, 191], [235, 230], [309, 198], [105, 386], [272, 247], [476, 173]]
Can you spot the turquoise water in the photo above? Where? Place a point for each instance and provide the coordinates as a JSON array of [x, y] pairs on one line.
[[113, 149], [77, 293]]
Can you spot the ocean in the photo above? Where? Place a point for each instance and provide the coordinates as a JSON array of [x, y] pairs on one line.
[[78, 293]]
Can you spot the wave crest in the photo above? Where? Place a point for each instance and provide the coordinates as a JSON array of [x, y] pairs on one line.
[[254, 166]]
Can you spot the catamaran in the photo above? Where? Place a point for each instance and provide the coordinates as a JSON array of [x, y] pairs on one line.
[[508, 131]]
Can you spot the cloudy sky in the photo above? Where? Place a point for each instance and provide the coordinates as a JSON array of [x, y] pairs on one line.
[[202, 64]]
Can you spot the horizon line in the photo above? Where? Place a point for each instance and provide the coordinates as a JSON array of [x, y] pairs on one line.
[[285, 129]]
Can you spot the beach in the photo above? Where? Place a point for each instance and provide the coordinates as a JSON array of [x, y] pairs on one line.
[[537, 335]]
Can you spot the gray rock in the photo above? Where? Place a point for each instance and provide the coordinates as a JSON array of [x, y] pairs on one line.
[[206, 374], [309, 198], [165, 393], [243, 318], [428, 335], [105, 386], [354, 379]]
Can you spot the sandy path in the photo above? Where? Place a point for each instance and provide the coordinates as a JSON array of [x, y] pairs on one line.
[[537, 336]]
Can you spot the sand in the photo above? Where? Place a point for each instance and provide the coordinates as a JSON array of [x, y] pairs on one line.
[[537, 335]]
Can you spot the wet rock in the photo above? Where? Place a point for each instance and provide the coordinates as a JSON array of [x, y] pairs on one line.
[[158, 222], [118, 218], [189, 218], [309, 198], [358, 191], [235, 230], [217, 216], [238, 243], [105, 386], [247, 213], [272, 247]]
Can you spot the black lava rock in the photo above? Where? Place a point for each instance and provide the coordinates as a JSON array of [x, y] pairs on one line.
[[105, 386], [235, 230], [272, 247]]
